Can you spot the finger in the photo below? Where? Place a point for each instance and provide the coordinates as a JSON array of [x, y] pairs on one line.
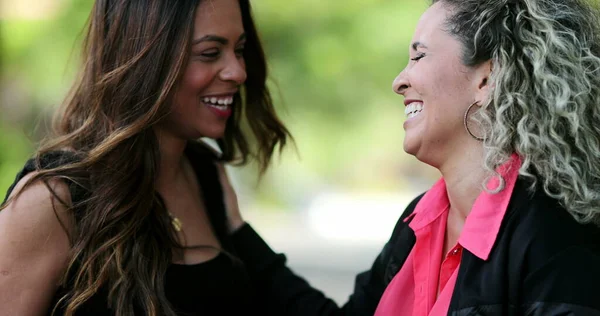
[[223, 177]]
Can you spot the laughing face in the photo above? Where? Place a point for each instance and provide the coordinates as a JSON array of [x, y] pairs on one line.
[[437, 90], [215, 71]]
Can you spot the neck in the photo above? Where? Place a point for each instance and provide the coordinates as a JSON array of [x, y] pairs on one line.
[[464, 177], [171, 159]]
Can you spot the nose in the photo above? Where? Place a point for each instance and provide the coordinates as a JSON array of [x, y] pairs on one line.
[[401, 83], [234, 70]]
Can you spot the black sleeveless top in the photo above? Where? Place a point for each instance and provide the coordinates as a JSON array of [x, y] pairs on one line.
[[216, 287]]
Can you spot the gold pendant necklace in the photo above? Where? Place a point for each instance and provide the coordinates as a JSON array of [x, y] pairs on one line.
[[177, 224]]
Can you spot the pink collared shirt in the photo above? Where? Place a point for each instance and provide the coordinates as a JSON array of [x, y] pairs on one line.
[[425, 283]]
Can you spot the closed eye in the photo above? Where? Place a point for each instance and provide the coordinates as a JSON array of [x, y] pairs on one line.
[[240, 51], [418, 57], [210, 53]]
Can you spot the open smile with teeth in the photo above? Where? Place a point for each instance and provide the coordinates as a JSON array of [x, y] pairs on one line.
[[221, 103], [413, 109]]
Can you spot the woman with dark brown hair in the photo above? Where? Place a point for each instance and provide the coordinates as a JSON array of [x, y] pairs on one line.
[[121, 212]]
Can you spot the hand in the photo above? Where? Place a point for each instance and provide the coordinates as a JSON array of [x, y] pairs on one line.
[[234, 217]]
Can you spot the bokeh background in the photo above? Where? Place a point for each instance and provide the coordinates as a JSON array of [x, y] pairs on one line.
[[331, 202]]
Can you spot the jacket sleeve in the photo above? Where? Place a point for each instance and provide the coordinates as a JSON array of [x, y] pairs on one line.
[[568, 284], [286, 293]]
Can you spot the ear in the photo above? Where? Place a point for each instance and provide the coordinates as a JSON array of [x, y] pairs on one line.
[[483, 73]]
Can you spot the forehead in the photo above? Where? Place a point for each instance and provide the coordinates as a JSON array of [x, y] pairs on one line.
[[431, 23], [218, 16]]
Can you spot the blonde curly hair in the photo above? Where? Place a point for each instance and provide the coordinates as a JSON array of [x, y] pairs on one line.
[[545, 100]]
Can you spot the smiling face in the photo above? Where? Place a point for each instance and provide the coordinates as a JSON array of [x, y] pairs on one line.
[[437, 88], [203, 100]]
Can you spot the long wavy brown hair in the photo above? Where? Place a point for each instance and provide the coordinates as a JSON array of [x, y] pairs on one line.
[[134, 54]]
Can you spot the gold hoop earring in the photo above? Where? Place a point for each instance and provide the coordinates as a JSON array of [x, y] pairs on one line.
[[465, 121]]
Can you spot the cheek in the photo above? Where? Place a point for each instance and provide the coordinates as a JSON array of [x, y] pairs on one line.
[[448, 85], [197, 77], [426, 80]]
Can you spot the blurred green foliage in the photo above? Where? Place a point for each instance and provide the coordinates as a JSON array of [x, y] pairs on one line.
[[332, 64]]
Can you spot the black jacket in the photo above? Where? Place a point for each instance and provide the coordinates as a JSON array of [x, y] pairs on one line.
[[543, 263]]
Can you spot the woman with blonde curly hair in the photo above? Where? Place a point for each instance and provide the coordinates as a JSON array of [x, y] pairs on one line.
[[503, 98]]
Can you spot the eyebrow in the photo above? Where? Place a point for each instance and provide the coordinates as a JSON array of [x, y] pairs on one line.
[[215, 38], [416, 45]]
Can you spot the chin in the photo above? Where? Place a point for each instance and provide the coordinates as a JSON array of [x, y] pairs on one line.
[[410, 149], [415, 151], [214, 134]]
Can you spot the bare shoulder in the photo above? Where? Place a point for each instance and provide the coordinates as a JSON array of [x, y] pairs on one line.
[[34, 244], [38, 206]]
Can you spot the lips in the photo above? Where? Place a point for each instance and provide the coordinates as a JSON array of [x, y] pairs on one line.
[[219, 104]]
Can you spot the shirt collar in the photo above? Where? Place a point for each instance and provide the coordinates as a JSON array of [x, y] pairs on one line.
[[433, 204], [483, 223]]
